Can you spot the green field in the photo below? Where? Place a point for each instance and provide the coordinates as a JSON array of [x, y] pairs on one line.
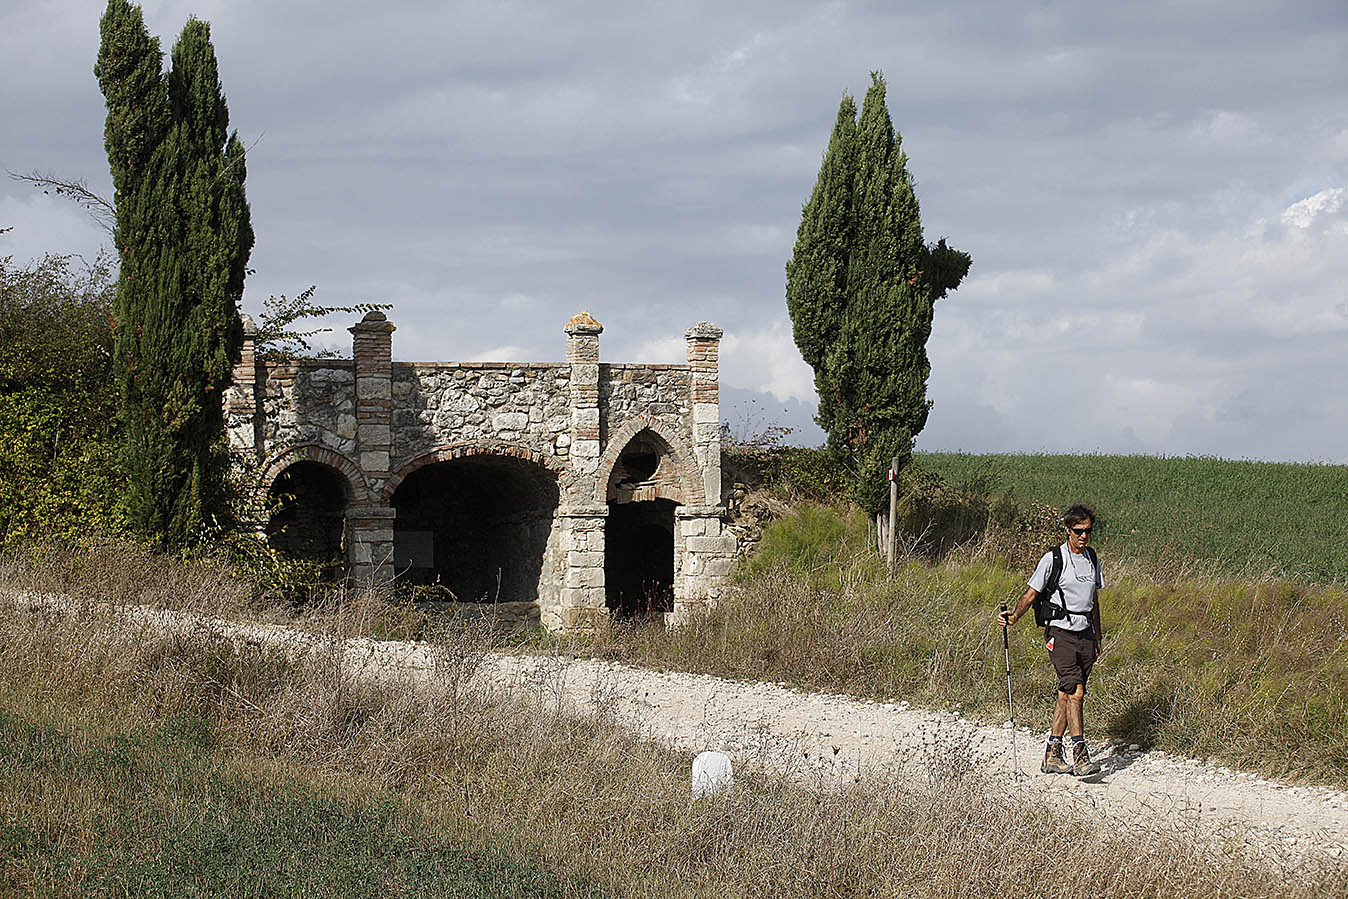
[[1237, 518]]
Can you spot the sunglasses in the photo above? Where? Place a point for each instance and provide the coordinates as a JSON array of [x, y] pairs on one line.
[[1080, 532]]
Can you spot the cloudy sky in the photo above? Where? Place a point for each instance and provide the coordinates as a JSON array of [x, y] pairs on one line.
[[1153, 193]]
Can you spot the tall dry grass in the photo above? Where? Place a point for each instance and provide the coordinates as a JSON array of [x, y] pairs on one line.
[[577, 795]]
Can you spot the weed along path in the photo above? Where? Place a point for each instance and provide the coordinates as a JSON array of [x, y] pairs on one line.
[[826, 741]]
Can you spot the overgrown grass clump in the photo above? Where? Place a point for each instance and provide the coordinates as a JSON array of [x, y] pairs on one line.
[[155, 808], [139, 760], [1237, 518], [1251, 672]]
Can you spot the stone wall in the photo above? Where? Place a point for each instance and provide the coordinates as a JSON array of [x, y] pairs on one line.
[[436, 404], [311, 401], [649, 392]]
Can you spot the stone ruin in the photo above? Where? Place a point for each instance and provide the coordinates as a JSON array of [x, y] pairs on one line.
[[567, 493]]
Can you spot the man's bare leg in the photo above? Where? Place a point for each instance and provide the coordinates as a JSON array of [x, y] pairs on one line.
[[1082, 765], [1060, 715], [1074, 702]]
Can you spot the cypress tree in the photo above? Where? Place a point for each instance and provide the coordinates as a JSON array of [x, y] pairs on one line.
[[816, 275], [184, 235], [871, 364]]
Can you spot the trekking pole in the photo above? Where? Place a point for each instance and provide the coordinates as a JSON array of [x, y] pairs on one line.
[[1011, 710]]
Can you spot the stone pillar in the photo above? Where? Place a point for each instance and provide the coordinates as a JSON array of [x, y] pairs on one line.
[[371, 528], [582, 352], [704, 340], [243, 418], [583, 607], [708, 557]]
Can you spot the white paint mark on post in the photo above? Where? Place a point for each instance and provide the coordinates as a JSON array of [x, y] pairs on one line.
[[712, 772]]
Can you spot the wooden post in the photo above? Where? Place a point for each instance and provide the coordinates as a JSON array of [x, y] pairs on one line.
[[893, 514]]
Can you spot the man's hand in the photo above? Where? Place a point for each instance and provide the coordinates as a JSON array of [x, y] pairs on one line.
[[1004, 618]]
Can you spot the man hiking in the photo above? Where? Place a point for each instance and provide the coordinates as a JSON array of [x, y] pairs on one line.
[[1066, 583]]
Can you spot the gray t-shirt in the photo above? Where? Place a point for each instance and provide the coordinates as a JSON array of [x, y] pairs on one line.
[[1079, 581]]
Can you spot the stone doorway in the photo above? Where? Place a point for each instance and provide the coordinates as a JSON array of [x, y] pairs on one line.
[[482, 527], [639, 559], [308, 522]]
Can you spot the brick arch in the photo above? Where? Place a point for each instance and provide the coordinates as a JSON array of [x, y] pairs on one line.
[[685, 464], [316, 452], [500, 448]]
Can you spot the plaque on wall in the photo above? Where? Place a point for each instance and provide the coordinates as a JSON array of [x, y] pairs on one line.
[[413, 549]]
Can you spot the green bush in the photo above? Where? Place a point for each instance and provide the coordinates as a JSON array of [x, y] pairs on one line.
[[58, 404], [793, 472]]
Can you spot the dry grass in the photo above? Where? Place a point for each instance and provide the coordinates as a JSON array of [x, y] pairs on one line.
[[577, 796]]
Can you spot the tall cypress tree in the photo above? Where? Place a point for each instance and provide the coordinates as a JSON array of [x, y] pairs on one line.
[[870, 358], [184, 235], [816, 275]]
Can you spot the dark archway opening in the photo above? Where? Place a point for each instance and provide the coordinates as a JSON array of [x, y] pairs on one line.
[[309, 500], [479, 527], [639, 558]]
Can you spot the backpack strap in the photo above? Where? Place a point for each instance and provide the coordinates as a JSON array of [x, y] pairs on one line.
[[1095, 561], [1054, 581], [1055, 609]]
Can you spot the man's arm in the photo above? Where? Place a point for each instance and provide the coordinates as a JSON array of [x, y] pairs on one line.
[[1011, 616]]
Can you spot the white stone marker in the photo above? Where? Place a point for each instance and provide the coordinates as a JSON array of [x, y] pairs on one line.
[[712, 772]]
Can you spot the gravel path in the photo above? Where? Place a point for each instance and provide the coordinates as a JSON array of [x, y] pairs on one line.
[[826, 740]]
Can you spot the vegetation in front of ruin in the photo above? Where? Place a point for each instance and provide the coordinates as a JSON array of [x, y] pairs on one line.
[[185, 761], [861, 287], [183, 238], [58, 401], [63, 479]]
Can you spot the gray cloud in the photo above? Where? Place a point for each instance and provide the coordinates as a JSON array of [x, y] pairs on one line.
[[1119, 174]]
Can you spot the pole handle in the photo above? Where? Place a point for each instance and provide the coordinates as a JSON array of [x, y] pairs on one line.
[[1005, 639]]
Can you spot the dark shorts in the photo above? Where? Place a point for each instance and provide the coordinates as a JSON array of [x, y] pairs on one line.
[[1073, 655]]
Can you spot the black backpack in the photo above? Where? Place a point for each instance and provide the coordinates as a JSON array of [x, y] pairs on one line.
[[1046, 610]]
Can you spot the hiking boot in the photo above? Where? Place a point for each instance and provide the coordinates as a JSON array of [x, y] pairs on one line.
[[1053, 762], [1082, 766]]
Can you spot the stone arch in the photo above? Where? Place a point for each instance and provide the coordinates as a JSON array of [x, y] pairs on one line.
[[643, 540], [565, 481], [314, 452], [480, 522], [685, 465], [308, 493]]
